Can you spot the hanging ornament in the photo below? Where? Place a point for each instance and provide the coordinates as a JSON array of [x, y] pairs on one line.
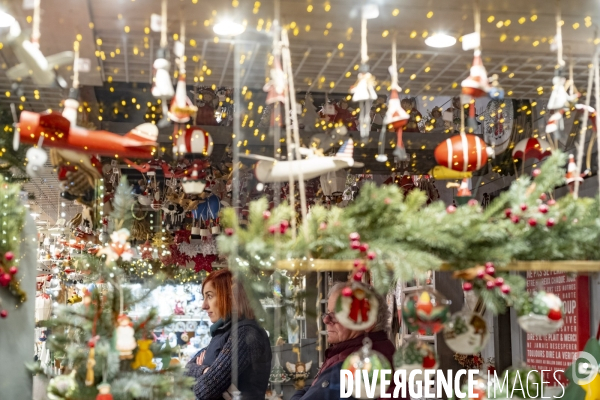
[[395, 115], [275, 87], [541, 313], [476, 84], [104, 392], [194, 140], [125, 337], [62, 387], [416, 355], [194, 184], [91, 362], [425, 311], [182, 109], [463, 152], [143, 357], [278, 374], [356, 307], [466, 333], [572, 172], [367, 360]]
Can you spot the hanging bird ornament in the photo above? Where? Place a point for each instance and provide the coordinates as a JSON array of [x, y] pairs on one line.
[[396, 117], [363, 91], [182, 109]]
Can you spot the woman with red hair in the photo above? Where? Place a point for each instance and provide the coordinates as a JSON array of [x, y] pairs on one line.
[[224, 297]]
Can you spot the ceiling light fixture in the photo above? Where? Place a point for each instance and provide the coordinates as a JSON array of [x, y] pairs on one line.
[[440, 40], [228, 28], [6, 19]]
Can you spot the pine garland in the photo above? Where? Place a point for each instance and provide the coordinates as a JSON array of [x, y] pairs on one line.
[[409, 238]]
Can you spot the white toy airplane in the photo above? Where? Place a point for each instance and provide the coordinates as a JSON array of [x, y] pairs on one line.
[[269, 170], [32, 60]]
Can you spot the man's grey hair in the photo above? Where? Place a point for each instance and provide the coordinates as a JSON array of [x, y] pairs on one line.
[[383, 312]]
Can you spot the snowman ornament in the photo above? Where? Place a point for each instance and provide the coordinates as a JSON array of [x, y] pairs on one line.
[[466, 333]]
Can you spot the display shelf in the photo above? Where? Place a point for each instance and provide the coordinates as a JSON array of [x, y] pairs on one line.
[[320, 265]]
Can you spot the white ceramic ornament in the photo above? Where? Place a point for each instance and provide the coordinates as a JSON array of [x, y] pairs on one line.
[[466, 333], [369, 361], [542, 314], [356, 307]]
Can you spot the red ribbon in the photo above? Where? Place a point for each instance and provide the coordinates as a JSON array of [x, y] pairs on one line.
[[359, 306]]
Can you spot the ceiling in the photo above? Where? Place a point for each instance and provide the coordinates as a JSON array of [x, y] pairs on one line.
[[324, 43]]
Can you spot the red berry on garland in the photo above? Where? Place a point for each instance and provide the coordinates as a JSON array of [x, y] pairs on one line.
[[523, 207], [284, 224], [229, 231], [358, 276], [490, 285], [347, 292], [543, 197], [480, 274], [543, 208], [322, 226], [3, 314], [550, 223], [536, 172], [499, 281], [371, 255], [532, 222], [282, 229], [355, 245], [13, 270], [472, 202], [273, 229], [551, 202], [354, 236], [555, 315], [9, 256], [4, 279], [357, 263], [489, 268], [266, 214], [508, 212], [363, 247], [515, 219], [450, 209], [467, 286], [505, 289]]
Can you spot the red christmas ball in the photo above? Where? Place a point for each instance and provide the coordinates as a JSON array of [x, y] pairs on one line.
[[282, 229], [532, 222], [536, 172], [13, 270], [555, 315], [229, 231], [472, 202], [354, 236], [357, 263], [9, 256], [273, 229], [3, 314], [467, 286], [490, 285], [490, 269], [358, 276], [284, 224], [499, 281], [543, 208], [5, 279], [550, 223], [523, 207], [355, 245], [508, 212], [480, 274], [347, 292], [505, 289], [551, 202], [543, 197], [266, 214], [515, 219], [450, 209], [371, 255], [363, 247]]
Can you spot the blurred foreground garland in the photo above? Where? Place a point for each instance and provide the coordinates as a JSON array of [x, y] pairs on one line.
[[409, 239]]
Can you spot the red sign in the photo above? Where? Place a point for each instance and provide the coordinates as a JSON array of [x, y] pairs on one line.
[[558, 350]]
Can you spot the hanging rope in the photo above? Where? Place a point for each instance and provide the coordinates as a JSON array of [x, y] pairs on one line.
[[35, 32], [559, 44], [163, 25], [364, 57], [477, 17], [584, 123], [76, 65]]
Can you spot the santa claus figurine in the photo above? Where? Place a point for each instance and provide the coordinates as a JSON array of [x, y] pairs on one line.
[[572, 176], [104, 392], [125, 337]]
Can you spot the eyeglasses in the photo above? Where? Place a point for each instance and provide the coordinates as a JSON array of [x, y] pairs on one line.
[[329, 317]]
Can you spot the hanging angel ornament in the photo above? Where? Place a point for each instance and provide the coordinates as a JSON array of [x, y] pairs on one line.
[[559, 102], [396, 116], [275, 89], [476, 85], [162, 87], [182, 109]]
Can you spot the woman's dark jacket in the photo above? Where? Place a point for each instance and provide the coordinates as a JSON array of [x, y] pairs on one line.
[[254, 363]]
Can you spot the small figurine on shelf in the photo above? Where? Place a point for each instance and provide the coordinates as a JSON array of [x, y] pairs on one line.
[[179, 310], [104, 392]]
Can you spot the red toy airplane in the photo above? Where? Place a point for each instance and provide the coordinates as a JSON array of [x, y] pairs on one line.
[[58, 132]]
